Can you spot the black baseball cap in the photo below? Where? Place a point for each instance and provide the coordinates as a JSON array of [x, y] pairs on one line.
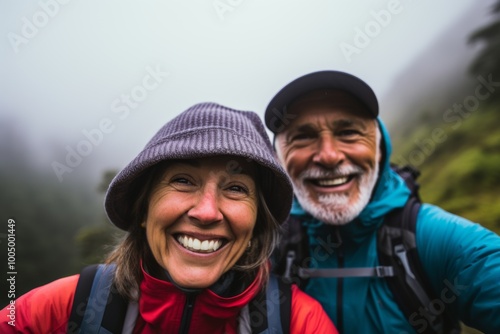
[[276, 112]]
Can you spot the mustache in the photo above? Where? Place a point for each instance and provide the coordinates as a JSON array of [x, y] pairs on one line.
[[317, 172]]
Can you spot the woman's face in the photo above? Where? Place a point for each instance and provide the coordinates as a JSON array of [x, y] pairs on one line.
[[200, 218]]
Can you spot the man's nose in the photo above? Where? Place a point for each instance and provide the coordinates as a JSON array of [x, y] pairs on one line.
[[328, 152], [206, 209]]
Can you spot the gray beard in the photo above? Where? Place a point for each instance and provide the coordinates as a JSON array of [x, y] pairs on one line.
[[334, 209]]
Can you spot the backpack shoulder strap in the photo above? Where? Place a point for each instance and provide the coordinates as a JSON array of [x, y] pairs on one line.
[[285, 302], [292, 250], [409, 174], [397, 247], [270, 311], [97, 306], [80, 300], [395, 242]]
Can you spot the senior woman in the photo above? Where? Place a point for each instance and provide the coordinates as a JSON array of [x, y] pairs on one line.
[[201, 205]]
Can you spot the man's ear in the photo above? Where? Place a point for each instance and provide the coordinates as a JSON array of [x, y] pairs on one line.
[[276, 145]]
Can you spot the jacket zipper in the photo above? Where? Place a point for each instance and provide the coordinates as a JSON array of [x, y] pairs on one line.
[[340, 289], [187, 313], [340, 281]]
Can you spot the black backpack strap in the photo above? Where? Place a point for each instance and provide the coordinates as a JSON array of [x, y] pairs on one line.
[[293, 249], [378, 271], [97, 305], [394, 246], [397, 248], [81, 298], [409, 174], [285, 303], [270, 311], [116, 310]]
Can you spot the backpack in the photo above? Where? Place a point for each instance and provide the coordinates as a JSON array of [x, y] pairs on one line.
[[98, 308], [398, 258]]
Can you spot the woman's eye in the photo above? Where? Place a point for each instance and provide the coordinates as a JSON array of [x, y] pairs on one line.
[[181, 180], [238, 189]]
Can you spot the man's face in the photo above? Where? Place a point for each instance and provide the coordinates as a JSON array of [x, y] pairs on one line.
[[331, 152]]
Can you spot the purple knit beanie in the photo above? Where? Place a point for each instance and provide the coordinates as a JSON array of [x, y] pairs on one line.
[[205, 130]]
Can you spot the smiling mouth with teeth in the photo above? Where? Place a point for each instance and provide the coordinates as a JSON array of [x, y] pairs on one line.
[[198, 246], [332, 182]]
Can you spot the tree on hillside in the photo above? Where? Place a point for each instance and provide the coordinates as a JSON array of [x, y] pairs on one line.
[[47, 214], [95, 241], [486, 63]]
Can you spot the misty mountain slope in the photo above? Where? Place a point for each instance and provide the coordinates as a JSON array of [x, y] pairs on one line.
[[438, 77], [444, 122], [459, 162]]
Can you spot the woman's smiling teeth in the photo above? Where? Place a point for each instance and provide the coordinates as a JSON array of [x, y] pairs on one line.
[[196, 245]]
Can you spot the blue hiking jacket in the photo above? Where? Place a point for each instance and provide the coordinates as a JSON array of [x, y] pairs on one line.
[[460, 258]]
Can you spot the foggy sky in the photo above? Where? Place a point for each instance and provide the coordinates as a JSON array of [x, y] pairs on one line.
[[72, 69]]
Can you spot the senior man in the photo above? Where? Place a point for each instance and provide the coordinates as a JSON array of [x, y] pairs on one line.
[[330, 139]]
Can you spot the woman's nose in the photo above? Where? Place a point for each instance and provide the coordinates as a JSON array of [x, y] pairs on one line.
[[206, 209]]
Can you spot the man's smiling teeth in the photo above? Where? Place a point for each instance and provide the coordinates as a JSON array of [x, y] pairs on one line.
[[332, 182], [193, 244]]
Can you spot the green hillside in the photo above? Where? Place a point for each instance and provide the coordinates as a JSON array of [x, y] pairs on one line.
[[459, 162]]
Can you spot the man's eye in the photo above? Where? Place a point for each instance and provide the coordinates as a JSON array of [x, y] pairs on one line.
[[302, 136], [348, 132]]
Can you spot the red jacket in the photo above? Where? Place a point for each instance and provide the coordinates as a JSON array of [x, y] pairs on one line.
[[46, 310]]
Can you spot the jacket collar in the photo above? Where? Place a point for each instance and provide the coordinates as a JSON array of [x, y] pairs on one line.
[[161, 303]]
